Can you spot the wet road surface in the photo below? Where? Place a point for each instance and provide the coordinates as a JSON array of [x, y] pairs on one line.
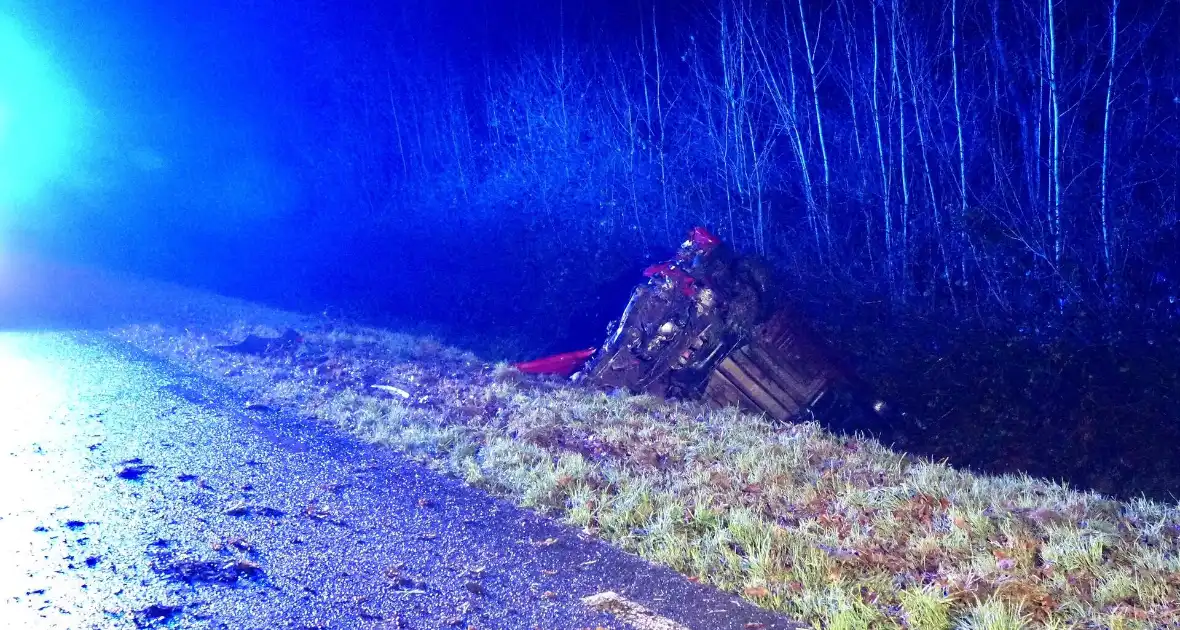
[[133, 494]]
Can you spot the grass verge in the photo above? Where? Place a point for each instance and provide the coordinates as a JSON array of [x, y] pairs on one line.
[[835, 531]]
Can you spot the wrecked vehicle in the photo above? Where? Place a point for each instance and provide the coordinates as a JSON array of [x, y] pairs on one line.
[[706, 325]]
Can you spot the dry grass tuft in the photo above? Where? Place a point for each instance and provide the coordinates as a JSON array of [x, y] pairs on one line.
[[842, 533]]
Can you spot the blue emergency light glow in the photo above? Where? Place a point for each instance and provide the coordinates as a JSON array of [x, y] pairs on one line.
[[38, 117]]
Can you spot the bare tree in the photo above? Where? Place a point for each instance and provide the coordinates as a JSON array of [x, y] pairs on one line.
[[928, 172], [1107, 256], [958, 125], [902, 244], [626, 116], [809, 54], [1057, 229], [886, 205], [780, 83], [851, 54]]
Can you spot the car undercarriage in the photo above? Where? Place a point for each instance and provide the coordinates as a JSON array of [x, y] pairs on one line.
[[706, 325]]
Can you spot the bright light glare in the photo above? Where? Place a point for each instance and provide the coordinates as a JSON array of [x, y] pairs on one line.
[[38, 117], [40, 459], [4, 116]]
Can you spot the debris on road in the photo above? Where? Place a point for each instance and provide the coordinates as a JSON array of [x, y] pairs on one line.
[[242, 508], [235, 543], [133, 469], [156, 614], [192, 570]]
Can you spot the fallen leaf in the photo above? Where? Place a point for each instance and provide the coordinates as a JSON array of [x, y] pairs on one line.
[[756, 591]]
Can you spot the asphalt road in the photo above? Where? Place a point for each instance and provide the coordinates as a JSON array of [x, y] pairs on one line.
[[133, 495]]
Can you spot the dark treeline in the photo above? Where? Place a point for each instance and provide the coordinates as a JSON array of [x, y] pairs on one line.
[[989, 159], [979, 199]]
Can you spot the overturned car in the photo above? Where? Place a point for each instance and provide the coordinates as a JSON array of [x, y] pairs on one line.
[[706, 325]]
